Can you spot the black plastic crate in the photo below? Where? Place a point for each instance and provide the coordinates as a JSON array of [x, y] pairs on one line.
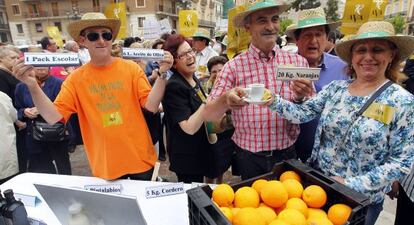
[[202, 211]]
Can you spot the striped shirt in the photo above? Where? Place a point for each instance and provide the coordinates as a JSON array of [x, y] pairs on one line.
[[408, 184], [257, 128]]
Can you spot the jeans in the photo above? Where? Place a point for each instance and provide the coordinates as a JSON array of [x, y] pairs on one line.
[[373, 213]]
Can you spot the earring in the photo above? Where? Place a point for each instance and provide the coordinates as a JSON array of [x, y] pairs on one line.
[[389, 66]]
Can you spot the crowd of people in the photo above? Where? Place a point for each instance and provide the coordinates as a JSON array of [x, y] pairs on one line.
[[355, 124]]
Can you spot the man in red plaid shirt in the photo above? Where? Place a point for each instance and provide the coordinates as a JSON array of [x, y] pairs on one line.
[[262, 137]]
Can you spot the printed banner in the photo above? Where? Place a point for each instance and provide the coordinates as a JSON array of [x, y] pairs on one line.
[[54, 33], [143, 53], [40, 59], [238, 39], [377, 9], [118, 11], [151, 29], [165, 26], [188, 21]]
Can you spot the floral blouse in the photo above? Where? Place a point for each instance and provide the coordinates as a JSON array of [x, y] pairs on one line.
[[371, 154]]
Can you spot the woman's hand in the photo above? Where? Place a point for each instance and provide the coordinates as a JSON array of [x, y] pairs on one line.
[[166, 63], [339, 179], [31, 113], [301, 88], [394, 190]]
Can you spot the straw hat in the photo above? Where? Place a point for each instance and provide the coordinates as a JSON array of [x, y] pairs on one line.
[[313, 18], [376, 30], [239, 19], [202, 33], [290, 30], [93, 19]]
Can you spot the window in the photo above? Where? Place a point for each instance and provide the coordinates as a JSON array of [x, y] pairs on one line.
[[96, 5], [161, 6], [141, 21], [16, 9], [55, 9], [140, 3], [19, 28], [39, 28], [1, 18], [74, 3], [396, 7], [58, 25], [3, 37]]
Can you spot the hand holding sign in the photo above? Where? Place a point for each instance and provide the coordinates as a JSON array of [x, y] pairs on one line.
[[166, 63], [24, 73], [301, 88]]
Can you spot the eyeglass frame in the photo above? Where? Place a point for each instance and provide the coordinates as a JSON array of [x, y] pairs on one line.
[[100, 35], [186, 54]]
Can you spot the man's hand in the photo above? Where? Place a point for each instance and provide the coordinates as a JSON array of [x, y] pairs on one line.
[[301, 88], [166, 63], [31, 113], [24, 73], [234, 98], [20, 124], [394, 190]]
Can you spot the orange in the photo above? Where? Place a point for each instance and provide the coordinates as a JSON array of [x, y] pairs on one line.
[[319, 221], [278, 222], [293, 217], [280, 209], [267, 213], [293, 187], [246, 197], [298, 204], [248, 216], [258, 184], [223, 195], [234, 211], [316, 213], [227, 212], [314, 196], [274, 194], [339, 213], [290, 174]]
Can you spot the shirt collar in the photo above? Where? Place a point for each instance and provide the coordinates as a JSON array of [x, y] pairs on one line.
[[205, 51], [324, 62], [258, 54]]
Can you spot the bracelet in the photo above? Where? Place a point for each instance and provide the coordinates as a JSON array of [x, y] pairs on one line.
[[162, 75]]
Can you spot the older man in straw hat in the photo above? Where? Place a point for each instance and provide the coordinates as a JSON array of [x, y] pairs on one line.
[[261, 137], [108, 94], [311, 34], [204, 52]]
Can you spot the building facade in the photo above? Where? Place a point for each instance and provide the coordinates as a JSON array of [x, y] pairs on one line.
[[5, 36], [405, 9], [29, 19]]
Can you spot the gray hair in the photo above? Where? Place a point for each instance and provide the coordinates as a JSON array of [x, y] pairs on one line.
[[70, 44], [5, 50]]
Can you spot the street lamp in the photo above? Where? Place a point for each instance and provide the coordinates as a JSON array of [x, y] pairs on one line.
[[75, 14]]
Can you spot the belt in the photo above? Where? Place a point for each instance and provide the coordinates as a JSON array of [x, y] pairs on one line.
[[270, 153]]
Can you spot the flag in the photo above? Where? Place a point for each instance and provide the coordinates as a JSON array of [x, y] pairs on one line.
[[54, 33], [238, 38], [118, 11]]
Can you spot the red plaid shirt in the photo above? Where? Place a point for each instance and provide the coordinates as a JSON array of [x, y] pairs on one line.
[[258, 128]]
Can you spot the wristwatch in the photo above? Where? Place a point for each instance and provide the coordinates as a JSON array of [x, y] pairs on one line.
[[162, 75]]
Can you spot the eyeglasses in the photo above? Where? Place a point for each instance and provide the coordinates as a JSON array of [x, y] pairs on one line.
[[94, 36], [186, 54]]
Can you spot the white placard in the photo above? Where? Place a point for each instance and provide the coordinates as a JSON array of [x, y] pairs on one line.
[[165, 190], [105, 188], [165, 26], [28, 200], [295, 73], [41, 59], [152, 29], [142, 53]]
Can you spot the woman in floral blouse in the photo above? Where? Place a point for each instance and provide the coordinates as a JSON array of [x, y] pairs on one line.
[[368, 152]]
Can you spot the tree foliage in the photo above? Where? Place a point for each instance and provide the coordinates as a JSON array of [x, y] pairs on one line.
[[399, 23], [283, 24], [331, 10], [305, 4]]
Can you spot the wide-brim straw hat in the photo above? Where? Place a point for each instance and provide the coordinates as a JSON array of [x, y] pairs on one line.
[[290, 30], [202, 33], [240, 19], [93, 19], [313, 18], [377, 30]]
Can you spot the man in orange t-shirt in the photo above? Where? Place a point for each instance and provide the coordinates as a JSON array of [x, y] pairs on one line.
[[108, 94]]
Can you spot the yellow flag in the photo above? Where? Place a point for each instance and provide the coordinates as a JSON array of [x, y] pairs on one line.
[[238, 38], [118, 11], [188, 20], [54, 33], [356, 13], [377, 9]]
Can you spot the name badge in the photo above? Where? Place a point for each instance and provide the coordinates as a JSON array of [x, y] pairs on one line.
[[28, 200], [380, 112], [39, 59], [112, 119], [295, 73], [107, 188], [165, 190], [142, 53]]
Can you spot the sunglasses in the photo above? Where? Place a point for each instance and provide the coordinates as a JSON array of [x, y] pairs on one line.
[[94, 36]]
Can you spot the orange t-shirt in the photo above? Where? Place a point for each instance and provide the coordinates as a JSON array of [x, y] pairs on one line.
[[108, 101]]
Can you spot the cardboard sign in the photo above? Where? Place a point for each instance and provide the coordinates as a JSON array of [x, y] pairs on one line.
[[295, 73], [51, 59], [106, 188], [165, 190], [152, 29], [142, 53], [118, 10], [188, 20], [165, 26]]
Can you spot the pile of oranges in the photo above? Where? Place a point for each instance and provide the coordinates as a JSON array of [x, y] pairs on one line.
[[278, 202]]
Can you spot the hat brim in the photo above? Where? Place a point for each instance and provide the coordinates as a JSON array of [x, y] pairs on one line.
[[405, 46], [239, 22], [332, 26], [197, 36], [75, 28]]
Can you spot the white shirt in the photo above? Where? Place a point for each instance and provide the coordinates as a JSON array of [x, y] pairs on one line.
[[84, 56], [202, 59], [290, 47], [8, 152]]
